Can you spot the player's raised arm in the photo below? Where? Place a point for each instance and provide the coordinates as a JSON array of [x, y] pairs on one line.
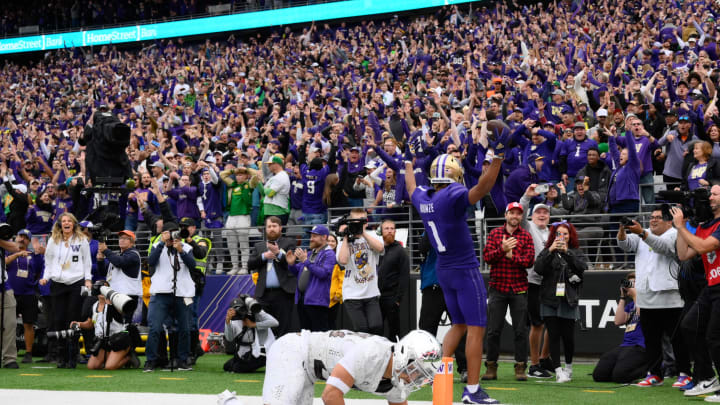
[[487, 180], [410, 183]]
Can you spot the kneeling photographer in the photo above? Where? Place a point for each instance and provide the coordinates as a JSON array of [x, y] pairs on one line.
[[627, 362], [703, 319], [104, 312], [248, 327]]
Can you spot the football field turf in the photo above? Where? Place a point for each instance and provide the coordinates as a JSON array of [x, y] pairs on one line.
[[208, 378]]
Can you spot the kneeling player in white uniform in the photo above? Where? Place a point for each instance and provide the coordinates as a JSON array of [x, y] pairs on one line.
[[348, 359]]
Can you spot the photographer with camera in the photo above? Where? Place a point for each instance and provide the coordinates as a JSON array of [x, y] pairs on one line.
[[113, 346], [703, 319], [201, 247], [626, 362], [123, 269], [359, 251], [656, 269], [68, 265], [249, 328], [172, 292]]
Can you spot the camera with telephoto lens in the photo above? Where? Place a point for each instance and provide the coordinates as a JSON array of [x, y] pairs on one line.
[[695, 204], [355, 226], [63, 334], [625, 284], [122, 303], [245, 306]]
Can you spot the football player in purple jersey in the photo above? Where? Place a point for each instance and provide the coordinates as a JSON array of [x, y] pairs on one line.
[[443, 209]]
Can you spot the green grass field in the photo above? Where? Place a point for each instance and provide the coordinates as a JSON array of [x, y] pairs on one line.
[[208, 378]]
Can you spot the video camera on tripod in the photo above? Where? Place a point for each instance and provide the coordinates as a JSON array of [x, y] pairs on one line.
[[695, 204]]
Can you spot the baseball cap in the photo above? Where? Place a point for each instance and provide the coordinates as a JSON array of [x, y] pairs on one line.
[[684, 117], [25, 233], [355, 148], [170, 226], [579, 124], [86, 224], [514, 205], [602, 112], [187, 222], [371, 165], [277, 159], [540, 207], [158, 164], [558, 93], [129, 233], [534, 156], [320, 230], [672, 112]]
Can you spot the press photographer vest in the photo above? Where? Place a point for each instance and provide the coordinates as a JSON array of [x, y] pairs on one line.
[[711, 260], [122, 283], [201, 264]]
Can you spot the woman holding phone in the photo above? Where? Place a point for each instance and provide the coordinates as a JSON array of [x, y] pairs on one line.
[[562, 265]]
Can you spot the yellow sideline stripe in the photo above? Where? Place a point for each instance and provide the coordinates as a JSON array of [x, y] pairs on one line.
[[173, 378], [248, 381], [501, 388], [98, 376], [31, 375], [599, 391]]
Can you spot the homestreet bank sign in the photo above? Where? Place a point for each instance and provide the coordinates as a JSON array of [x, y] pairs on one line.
[[82, 38]]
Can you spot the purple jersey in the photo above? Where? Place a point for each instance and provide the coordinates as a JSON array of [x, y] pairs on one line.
[[444, 214], [314, 185]]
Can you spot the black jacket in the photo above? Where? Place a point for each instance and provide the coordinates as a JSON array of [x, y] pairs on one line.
[[599, 178], [393, 272], [256, 264], [18, 208], [556, 267], [128, 262]]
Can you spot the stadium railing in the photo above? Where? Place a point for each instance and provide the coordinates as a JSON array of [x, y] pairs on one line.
[[597, 236]]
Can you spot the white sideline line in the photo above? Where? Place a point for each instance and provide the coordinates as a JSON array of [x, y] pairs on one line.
[[42, 397]]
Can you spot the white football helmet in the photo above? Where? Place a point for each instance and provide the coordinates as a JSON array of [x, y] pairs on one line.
[[445, 169], [416, 358]]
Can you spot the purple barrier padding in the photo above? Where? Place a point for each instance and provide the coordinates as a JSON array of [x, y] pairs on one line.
[[219, 293]]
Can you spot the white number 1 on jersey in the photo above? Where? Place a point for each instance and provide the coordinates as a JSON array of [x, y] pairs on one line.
[[434, 232]]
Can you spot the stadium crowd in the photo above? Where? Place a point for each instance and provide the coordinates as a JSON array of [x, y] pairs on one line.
[[596, 99]]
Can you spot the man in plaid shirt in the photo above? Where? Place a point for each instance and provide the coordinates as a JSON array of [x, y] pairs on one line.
[[509, 251]]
